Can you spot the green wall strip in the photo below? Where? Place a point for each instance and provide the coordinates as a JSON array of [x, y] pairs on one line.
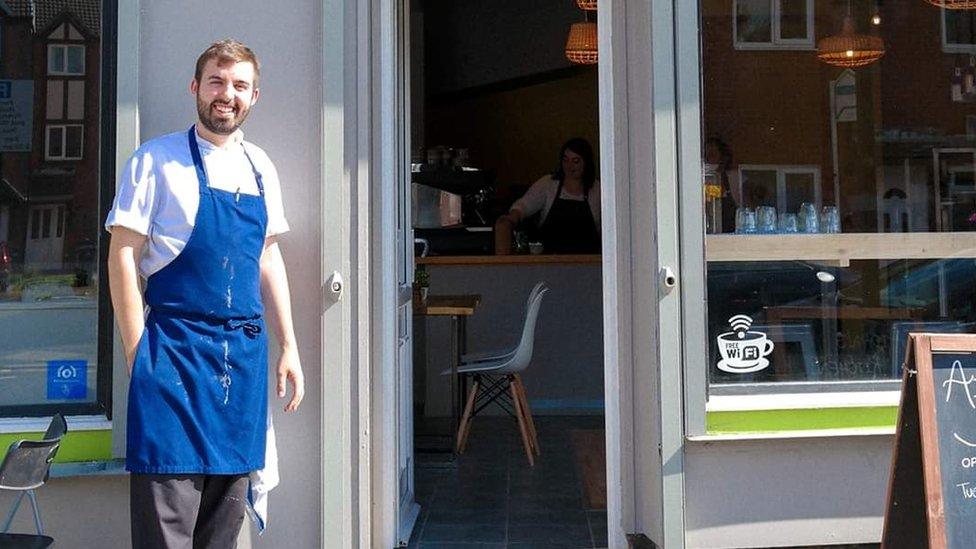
[[76, 446], [775, 421]]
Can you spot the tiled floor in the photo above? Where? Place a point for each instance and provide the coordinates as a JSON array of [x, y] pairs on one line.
[[493, 499]]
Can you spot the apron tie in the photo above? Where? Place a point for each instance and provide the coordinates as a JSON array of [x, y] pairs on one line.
[[251, 328]]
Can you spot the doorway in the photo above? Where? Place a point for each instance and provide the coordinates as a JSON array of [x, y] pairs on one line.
[[492, 100], [642, 396]]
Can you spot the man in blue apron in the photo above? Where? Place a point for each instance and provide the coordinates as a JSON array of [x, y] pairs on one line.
[[195, 215]]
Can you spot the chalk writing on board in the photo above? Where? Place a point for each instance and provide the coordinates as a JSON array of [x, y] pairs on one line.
[[958, 377], [967, 492]]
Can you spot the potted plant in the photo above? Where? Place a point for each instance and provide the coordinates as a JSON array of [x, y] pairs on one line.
[[421, 283]]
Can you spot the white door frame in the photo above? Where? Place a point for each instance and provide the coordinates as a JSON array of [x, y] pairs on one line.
[[642, 321], [642, 324], [360, 159]]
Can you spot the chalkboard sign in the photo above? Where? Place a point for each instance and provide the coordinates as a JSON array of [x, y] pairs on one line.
[[932, 488]]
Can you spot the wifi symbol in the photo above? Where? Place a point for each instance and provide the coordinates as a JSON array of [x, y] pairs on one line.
[[740, 324]]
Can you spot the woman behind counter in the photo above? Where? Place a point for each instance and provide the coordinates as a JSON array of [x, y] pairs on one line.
[[568, 204]]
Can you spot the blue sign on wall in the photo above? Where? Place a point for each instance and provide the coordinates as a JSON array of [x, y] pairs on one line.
[[67, 379], [16, 115]]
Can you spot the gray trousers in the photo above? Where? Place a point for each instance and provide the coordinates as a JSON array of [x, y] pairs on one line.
[[186, 511]]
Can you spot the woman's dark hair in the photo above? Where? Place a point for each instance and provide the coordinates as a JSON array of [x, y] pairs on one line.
[[724, 152], [581, 147]]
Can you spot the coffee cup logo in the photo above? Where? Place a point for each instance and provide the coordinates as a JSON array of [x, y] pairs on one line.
[[743, 350]]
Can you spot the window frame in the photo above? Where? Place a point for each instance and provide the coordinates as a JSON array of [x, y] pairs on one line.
[[63, 71], [776, 41], [64, 142], [783, 170], [953, 47], [701, 405], [108, 118]]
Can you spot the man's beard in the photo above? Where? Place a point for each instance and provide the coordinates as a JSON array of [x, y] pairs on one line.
[[219, 125]]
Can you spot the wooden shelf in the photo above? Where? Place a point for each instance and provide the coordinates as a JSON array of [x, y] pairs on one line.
[[839, 249], [527, 259]]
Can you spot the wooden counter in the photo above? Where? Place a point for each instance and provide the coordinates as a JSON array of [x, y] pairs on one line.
[[839, 249], [521, 259]]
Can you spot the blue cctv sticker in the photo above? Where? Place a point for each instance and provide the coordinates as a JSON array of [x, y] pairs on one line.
[[67, 379]]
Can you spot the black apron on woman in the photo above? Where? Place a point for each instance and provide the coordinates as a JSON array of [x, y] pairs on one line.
[[569, 228]]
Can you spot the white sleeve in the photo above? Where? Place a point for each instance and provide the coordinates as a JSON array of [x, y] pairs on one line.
[[535, 198], [277, 224], [135, 195]]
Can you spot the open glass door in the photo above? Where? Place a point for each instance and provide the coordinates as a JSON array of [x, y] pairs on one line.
[[407, 507]]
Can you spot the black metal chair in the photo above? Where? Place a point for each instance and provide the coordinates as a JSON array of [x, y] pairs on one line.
[[24, 469]]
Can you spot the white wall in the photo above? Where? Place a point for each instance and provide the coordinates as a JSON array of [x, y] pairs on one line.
[[93, 511], [287, 39], [566, 372], [786, 492]]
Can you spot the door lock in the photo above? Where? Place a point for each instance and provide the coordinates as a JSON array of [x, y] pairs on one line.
[[334, 286], [668, 279]]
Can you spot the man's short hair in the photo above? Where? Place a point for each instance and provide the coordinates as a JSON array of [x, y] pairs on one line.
[[227, 51]]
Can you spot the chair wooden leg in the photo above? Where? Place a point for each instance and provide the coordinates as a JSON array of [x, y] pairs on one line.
[[516, 401], [465, 429], [465, 422], [527, 412]]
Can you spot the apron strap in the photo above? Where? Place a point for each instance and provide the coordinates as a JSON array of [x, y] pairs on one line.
[[202, 173], [257, 174], [197, 161]]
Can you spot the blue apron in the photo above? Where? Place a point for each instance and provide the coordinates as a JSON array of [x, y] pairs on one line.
[[198, 394]]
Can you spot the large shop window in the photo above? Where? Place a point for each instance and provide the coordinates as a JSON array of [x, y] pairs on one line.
[[55, 349], [840, 201]]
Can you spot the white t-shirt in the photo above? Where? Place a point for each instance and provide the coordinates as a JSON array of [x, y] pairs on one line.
[[158, 195], [542, 194]]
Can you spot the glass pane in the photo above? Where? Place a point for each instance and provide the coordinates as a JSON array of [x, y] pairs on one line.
[[754, 20], [76, 60], [60, 222], [55, 62], [793, 19], [55, 148], [49, 219], [799, 189], [46, 223], [73, 142], [759, 188], [872, 173], [960, 27], [35, 230]]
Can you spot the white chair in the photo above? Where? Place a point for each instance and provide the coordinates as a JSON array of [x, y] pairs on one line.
[[499, 381], [498, 354]]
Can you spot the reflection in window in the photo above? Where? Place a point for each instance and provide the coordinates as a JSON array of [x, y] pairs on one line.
[[754, 21], [960, 30], [66, 59], [870, 173], [64, 142], [777, 24], [49, 205]]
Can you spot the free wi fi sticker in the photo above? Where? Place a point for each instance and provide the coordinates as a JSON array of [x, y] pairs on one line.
[[743, 349]]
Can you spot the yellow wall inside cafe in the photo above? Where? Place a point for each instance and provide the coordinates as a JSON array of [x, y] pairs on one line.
[[518, 132]]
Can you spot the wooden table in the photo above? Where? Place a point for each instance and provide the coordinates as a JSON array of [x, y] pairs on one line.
[[459, 308]]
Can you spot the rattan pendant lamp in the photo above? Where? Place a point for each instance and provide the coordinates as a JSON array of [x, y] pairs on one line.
[[954, 4], [581, 46], [849, 49]]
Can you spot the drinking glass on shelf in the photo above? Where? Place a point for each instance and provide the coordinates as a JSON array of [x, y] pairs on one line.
[[809, 221], [745, 221], [767, 219], [830, 219], [521, 242], [788, 223]]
